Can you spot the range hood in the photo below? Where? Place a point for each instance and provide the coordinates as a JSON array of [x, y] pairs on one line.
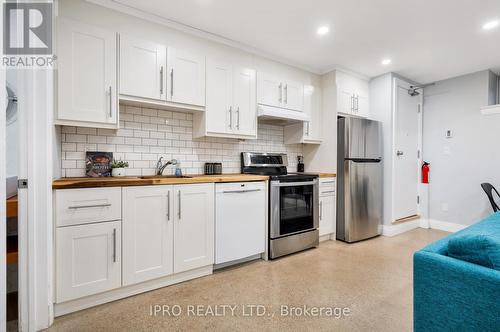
[[279, 115]]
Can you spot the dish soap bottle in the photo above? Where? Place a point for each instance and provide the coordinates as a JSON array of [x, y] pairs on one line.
[[178, 170]]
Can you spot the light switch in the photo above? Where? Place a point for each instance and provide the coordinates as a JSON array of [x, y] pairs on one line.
[[449, 133], [444, 207]]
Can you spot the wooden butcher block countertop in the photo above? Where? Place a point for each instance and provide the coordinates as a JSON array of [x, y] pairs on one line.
[[68, 183]]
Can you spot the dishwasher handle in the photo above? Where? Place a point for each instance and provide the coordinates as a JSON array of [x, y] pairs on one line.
[[240, 191]]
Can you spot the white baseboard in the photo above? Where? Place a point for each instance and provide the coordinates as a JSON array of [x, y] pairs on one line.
[[392, 230], [446, 226]]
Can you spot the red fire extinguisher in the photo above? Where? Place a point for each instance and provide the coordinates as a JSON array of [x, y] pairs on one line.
[[425, 172]]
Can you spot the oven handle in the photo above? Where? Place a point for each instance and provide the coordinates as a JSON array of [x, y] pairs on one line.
[[293, 184]]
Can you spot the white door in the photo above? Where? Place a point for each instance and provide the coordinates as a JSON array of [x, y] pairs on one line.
[[88, 259], [147, 233], [143, 67], [86, 63], [219, 108], [327, 214], [345, 101], [194, 226], [269, 90], [406, 145], [244, 101], [186, 77], [293, 96], [240, 220]]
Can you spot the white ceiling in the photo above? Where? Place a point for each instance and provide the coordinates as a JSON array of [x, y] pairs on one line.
[[427, 40]]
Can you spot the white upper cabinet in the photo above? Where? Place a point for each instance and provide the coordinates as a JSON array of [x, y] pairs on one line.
[[143, 67], [279, 92], [244, 101], [231, 102], [269, 90], [186, 77], [194, 228], [310, 131], [219, 97], [148, 220], [293, 96], [87, 75], [352, 95]]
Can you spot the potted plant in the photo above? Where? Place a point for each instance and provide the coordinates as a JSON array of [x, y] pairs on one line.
[[118, 167]]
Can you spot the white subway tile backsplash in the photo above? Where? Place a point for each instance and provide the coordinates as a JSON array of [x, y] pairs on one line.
[[147, 134]]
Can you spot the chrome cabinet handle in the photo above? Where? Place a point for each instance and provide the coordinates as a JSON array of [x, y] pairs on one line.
[[328, 192], [88, 206], [238, 118], [179, 199], [114, 245], [308, 128], [168, 206], [357, 103], [110, 101], [240, 191], [352, 103], [320, 210], [333, 181], [172, 82], [281, 92], [230, 117], [161, 80], [286, 93]]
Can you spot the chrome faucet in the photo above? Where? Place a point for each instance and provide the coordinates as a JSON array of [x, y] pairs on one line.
[[160, 166]]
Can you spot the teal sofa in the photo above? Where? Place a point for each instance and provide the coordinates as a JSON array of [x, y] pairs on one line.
[[456, 281]]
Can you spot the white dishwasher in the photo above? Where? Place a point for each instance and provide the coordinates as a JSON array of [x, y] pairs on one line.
[[240, 220]]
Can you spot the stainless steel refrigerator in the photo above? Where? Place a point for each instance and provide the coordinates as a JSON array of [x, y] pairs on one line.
[[359, 179]]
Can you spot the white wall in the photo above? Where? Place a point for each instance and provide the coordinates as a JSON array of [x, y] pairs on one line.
[[473, 151]]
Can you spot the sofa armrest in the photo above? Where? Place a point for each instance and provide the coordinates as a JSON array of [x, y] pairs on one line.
[[454, 295]]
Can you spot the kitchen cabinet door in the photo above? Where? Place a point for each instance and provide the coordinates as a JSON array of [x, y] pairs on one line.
[[87, 87], [143, 68], [244, 101], [327, 214], [147, 233], [345, 101], [362, 106], [186, 77], [193, 226], [219, 108], [88, 259], [269, 90], [293, 96]]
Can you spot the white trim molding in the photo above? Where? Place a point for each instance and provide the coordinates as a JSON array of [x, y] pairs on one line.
[[392, 230]]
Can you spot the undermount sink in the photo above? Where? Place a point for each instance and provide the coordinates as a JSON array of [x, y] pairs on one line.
[[165, 177]]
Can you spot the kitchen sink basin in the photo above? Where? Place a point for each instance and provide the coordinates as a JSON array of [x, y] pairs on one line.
[[165, 177]]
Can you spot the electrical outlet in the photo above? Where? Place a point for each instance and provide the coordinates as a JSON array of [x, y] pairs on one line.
[[444, 207], [447, 150]]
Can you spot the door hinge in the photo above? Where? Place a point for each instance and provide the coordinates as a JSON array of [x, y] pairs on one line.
[[418, 199], [22, 183]]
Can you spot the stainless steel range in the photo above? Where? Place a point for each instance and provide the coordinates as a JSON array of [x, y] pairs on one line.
[[293, 203]]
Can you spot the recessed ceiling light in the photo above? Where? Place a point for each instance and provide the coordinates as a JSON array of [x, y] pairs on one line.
[[386, 61], [491, 25], [323, 30]]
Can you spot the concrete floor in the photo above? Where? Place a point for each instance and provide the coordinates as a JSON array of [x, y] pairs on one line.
[[373, 279]]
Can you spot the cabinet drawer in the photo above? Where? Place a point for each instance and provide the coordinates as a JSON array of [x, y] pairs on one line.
[[81, 206], [239, 187], [327, 186]]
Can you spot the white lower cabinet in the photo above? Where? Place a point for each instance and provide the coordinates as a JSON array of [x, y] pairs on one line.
[[327, 206], [193, 226], [88, 259], [147, 233], [240, 225]]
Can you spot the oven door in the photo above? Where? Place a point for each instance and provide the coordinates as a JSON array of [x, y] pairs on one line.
[[293, 207]]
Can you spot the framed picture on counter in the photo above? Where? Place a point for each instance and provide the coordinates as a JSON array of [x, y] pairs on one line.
[[98, 164]]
